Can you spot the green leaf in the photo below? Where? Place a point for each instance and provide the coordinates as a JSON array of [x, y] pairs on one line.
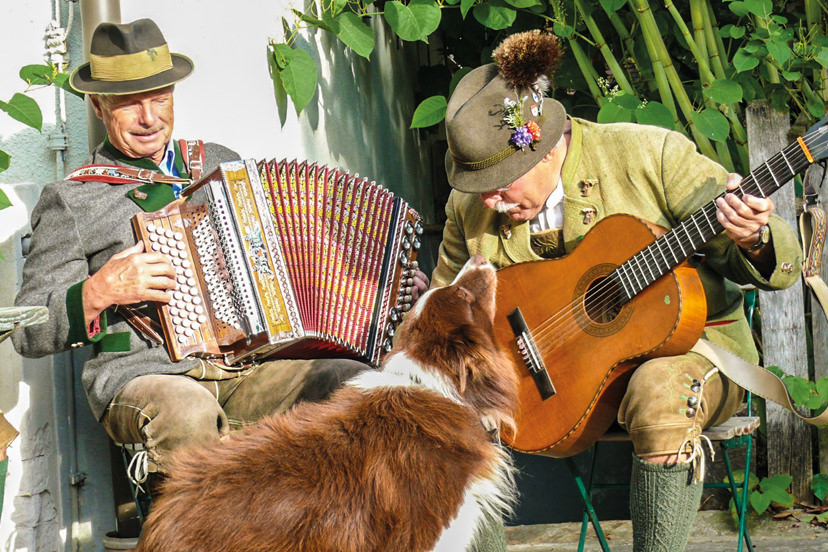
[[457, 77], [712, 124], [353, 32], [430, 112], [800, 390], [780, 51], [739, 8], [822, 57], [779, 496], [761, 8], [612, 6], [415, 21], [819, 484], [759, 502], [523, 4], [627, 101], [778, 481], [562, 30], [24, 109], [494, 14], [655, 113], [791, 76], [611, 112], [732, 31], [743, 61], [724, 91], [4, 200], [298, 74], [465, 6], [5, 160], [62, 80], [337, 6], [37, 74]]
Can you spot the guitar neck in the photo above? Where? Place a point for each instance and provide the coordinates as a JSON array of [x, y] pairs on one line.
[[693, 233]]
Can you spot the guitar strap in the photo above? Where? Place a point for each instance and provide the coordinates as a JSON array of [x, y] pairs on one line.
[[812, 226], [753, 378]]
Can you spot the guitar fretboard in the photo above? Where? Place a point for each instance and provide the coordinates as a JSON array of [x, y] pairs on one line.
[[690, 235]]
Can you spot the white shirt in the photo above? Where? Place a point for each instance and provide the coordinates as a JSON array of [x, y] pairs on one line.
[[551, 216]]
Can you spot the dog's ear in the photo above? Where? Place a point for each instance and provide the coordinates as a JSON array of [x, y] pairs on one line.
[[464, 294]]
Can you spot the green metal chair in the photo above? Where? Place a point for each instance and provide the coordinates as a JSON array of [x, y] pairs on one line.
[[734, 433]]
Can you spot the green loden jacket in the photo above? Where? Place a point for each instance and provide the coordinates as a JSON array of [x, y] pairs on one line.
[[645, 171]]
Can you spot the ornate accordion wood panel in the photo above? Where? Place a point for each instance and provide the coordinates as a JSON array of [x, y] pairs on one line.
[[284, 260]]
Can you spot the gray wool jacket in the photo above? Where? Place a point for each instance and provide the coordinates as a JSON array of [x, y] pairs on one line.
[[76, 228]]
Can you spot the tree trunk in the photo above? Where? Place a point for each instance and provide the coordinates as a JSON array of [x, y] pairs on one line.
[[783, 317]]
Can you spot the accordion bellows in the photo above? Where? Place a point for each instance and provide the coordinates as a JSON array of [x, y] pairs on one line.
[[284, 260]]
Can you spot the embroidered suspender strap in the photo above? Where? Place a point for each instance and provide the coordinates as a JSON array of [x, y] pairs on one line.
[[193, 153], [753, 378], [114, 174], [812, 231]]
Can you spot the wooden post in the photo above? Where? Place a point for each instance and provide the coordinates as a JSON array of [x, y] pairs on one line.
[[783, 316]]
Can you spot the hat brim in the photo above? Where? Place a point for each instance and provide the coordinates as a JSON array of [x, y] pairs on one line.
[[82, 81], [517, 164]]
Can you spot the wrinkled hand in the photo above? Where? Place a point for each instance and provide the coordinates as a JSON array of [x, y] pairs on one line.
[[420, 285], [743, 218], [128, 277]]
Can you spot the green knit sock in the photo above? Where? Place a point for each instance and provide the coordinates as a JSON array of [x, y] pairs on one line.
[[663, 504]]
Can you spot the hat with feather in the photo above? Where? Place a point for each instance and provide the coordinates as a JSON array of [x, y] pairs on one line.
[[498, 123]]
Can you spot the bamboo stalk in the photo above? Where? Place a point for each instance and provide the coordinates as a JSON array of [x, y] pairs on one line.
[[601, 44], [590, 75], [659, 51], [816, 28]]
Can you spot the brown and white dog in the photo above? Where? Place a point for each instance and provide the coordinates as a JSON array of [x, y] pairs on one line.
[[396, 460]]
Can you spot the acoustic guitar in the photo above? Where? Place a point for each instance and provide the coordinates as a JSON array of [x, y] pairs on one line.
[[578, 326]]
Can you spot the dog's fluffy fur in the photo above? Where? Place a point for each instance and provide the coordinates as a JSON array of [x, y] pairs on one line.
[[397, 460]]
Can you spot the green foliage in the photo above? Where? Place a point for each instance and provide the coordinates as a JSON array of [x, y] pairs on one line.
[[819, 484], [430, 112], [764, 493], [804, 393], [26, 110], [689, 65]]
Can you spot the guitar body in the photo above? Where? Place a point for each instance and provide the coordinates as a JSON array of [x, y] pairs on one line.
[[590, 353]]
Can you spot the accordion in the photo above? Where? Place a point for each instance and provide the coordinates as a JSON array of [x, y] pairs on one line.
[[284, 260]]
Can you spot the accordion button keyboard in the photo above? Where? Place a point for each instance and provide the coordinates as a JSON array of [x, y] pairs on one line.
[[186, 311]]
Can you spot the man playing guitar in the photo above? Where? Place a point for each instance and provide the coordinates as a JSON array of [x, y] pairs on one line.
[[529, 183]]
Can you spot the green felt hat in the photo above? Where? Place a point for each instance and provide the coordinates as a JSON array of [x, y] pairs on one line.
[[129, 58], [498, 123]]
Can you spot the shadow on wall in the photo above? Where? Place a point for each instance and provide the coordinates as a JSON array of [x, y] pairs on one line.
[[366, 107]]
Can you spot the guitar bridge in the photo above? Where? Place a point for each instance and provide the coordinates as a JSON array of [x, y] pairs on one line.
[[530, 355]]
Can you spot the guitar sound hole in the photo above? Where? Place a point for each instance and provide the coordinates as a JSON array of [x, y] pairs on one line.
[[601, 301]]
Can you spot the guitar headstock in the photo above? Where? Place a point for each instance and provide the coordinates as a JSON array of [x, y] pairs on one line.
[[816, 140]]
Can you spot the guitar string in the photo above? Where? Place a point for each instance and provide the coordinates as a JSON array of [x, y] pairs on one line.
[[608, 288]]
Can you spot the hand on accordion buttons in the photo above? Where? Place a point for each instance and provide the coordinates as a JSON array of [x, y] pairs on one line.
[[129, 277]]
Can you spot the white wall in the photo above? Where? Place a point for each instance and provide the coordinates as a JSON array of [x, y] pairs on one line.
[[358, 121]]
